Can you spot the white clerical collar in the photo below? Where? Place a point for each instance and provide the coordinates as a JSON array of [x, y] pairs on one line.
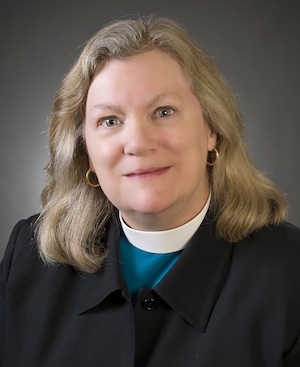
[[162, 242]]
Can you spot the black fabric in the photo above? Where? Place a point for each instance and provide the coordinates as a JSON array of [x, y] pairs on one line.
[[221, 305]]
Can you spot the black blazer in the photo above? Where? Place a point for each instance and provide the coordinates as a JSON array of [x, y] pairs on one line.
[[220, 305]]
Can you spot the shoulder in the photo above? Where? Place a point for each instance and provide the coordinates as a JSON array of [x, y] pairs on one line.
[[21, 244], [22, 233], [266, 266], [284, 235], [24, 228], [23, 274], [281, 240], [273, 250]]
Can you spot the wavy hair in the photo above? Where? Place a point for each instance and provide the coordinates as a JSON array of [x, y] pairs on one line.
[[74, 216]]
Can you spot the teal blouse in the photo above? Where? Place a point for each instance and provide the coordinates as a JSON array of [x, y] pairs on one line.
[[142, 269]]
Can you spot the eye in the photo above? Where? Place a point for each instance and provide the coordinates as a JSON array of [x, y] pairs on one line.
[[164, 112], [110, 121]]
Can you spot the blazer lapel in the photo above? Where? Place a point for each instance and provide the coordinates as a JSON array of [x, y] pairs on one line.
[[194, 283], [108, 279]]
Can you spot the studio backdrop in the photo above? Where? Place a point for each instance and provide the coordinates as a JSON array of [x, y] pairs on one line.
[[256, 44]]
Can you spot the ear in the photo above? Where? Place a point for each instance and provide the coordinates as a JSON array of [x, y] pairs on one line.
[[212, 140], [91, 165]]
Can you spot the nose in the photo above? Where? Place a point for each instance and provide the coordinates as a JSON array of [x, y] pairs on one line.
[[140, 137]]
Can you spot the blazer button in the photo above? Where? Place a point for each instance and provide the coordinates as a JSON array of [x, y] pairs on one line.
[[150, 303]]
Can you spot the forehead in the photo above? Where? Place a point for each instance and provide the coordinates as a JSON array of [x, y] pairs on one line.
[[153, 59], [149, 69]]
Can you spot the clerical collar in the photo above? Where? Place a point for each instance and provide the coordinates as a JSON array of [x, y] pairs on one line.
[[162, 242]]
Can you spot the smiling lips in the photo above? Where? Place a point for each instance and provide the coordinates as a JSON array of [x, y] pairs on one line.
[[147, 173]]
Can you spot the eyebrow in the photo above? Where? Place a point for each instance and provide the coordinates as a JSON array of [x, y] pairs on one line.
[[152, 101], [108, 106]]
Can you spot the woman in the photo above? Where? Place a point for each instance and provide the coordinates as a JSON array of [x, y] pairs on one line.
[[158, 243]]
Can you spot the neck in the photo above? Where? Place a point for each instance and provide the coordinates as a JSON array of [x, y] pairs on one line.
[[166, 241], [162, 221]]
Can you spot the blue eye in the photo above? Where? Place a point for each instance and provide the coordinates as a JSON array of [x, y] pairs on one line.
[[110, 121], [164, 112]]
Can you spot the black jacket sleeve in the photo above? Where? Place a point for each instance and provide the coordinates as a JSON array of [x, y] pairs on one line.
[[4, 277], [292, 357]]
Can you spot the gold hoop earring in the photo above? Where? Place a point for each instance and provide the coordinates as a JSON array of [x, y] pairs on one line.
[[211, 164], [87, 177]]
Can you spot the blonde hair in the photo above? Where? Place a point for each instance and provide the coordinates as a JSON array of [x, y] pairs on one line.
[[74, 216]]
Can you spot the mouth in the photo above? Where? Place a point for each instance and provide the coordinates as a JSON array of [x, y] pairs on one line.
[[147, 173]]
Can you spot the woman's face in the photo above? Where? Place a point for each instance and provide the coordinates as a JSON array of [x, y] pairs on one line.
[[147, 141]]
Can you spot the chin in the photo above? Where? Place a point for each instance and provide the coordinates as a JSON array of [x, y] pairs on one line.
[[154, 207]]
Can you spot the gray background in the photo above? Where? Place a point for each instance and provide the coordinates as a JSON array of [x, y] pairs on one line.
[[256, 44]]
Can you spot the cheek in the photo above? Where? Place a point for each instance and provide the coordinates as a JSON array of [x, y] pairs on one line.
[[194, 155], [197, 142], [103, 157]]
